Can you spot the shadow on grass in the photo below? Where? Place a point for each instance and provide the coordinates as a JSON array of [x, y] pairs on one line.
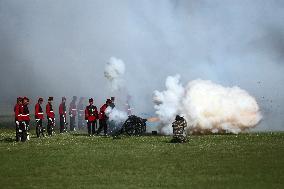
[[12, 139], [7, 140], [205, 133], [79, 134]]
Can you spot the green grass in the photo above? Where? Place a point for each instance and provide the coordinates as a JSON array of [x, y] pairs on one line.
[[78, 161]]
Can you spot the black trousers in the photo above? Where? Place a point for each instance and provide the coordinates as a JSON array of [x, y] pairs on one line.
[[25, 126], [72, 123], [18, 126], [103, 125], [81, 122], [92, 127], [39, 128], [50, 126], [62, 123]]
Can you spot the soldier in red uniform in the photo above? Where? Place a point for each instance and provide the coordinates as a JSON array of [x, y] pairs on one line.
[[39, 117], [26, 119], [62, 115], [50, 116], [73, 113], [103, 118], [91, 115], [18, 117]]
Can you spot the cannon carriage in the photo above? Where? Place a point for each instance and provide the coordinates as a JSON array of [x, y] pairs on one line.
[[133, 126]]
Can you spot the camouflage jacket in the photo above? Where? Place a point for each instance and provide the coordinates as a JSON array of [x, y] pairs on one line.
[[178, 127]]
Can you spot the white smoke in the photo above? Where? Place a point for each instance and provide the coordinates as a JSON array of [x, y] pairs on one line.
[[168, 102], [114, 71], [207, 107], [116, 115]]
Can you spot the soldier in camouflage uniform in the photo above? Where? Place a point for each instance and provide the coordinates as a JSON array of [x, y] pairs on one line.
[[178, 130]]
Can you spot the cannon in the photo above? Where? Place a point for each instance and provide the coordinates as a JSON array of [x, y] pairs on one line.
[[133, 126]]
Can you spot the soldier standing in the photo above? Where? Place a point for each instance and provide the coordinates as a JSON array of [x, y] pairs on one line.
[[18, 117], [39, 118], [25, 119], [103, 118], [81, 110], [50, 116], [91, 115], [72, 113], [178, 130], [62, 115]]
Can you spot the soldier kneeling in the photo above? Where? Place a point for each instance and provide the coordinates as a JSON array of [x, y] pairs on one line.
[[178, 130]]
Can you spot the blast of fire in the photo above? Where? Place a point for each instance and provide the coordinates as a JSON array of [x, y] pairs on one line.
[[153, 119]]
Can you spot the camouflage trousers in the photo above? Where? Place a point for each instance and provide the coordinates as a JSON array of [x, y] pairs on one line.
[[179, 136], [179, 139]]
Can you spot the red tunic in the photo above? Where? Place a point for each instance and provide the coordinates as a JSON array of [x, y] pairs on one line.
[[62, 109], [25, 113], [102, 114], [38, 111], [49, 111], [18, 112], [91, 113]]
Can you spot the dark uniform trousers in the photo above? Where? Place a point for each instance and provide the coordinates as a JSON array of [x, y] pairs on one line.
[[50, 126], [62, 123], [92, 127], [39, 128], [103, 125], [72, 123]]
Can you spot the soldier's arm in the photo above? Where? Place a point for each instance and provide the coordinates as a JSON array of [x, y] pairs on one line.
[[185, 123], [36, 110], [86, 114], [47, 110], [96, 111], [17, 113]]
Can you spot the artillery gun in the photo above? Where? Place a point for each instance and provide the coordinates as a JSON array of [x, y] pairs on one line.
[[133, 126]]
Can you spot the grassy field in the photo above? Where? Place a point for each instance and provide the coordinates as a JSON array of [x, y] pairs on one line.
[[78, 161]]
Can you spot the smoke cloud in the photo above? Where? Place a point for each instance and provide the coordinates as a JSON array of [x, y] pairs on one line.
[[207, 107], [168, 102], [114, 71], [116, 115]]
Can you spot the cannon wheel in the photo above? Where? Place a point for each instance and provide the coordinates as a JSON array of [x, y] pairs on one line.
[[134, 126], [129, 127]]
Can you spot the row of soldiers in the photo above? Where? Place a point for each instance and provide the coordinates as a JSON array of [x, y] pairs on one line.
[[22, 116]]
